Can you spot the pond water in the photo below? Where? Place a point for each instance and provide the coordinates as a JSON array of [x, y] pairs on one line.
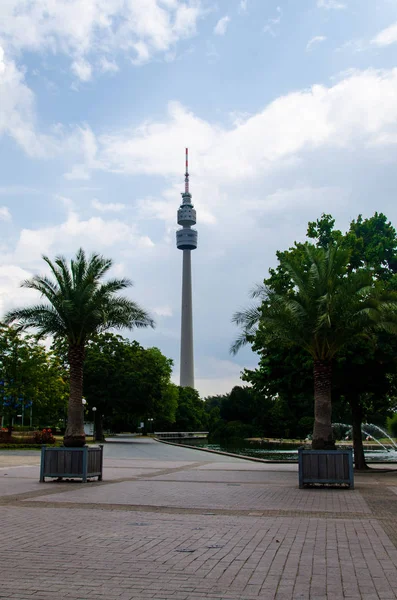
[[280, 452]]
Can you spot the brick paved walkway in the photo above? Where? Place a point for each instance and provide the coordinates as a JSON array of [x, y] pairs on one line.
[[195, 529]]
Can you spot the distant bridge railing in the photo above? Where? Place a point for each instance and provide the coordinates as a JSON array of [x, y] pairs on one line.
[[176, 435]]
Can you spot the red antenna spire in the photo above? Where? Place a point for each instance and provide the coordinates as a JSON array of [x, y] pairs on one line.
[[187, 172]]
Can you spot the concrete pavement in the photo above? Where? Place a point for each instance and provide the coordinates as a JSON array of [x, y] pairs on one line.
[[169, 523]]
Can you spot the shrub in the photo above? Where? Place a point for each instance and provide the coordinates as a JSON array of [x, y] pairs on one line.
[[21, 428], [20, 447], [232, 430], [44, 437]]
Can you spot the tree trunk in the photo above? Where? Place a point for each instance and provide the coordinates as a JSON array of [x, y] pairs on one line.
[[74, 434], [357, 419], [322, 434], [99, 437]]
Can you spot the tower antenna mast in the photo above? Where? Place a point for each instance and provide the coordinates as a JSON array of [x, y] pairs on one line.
[[187, 172]]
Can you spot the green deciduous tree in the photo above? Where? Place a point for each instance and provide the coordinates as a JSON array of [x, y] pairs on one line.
[[283, 382], [127, 383], [31, 379], [323, 308], [80, 305], [190, 414]]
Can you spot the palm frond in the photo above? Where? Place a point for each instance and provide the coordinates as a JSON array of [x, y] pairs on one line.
[[42, 284], [98, 266], [81, 304], [42, 317], [78, 267], [259, 291], [327, 307], [238, 343]]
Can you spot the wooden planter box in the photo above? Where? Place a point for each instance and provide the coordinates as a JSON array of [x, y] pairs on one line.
[[81, 463], [325, 466]]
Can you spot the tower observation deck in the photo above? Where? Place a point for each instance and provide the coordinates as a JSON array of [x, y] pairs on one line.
[[186, 240]]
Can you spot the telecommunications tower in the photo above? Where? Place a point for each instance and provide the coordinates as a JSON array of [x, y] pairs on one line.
[[186, 240]]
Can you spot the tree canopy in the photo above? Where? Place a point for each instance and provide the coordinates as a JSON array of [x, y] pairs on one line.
[[33, 382], [128, 383]]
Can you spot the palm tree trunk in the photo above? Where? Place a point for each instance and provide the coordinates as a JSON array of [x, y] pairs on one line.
[[357, 419], [322, 434], [74, 434]]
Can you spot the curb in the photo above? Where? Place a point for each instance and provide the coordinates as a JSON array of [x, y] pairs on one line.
[[241, 456], [266, 460]]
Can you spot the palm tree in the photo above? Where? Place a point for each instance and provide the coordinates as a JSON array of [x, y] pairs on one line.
[[80, 305], [326, 308]]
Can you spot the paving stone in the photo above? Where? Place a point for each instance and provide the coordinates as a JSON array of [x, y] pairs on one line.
[[126, 540]]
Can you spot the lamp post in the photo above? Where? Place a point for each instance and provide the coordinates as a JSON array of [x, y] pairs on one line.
[[93, 432]]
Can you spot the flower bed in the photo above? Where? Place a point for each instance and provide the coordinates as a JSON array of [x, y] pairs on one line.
[[44, 436]]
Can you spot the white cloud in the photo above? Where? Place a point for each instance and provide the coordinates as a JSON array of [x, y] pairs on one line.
[[315, 40], [93, 233], [221, 26], [108, 207], [66, 202], [162, 311], [271, 23], [108, 66], [140, 29], [82, 69], [243, 6], [386, 36], [186, 17], [11, 277], [142, 53], [220, 376], [141, 150], [355, 45], [19, 121], [356, 109], [17, 114], [82, 142], [67, 236], [5, 214], [283, 199], [77, 28], [331, 4]]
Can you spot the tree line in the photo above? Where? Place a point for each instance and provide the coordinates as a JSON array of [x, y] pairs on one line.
[[126, 383]]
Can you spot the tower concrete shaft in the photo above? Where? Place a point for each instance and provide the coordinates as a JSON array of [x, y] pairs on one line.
[[186, 240], [187, 358]]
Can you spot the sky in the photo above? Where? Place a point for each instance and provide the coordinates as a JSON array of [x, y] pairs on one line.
[[289, 110]]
